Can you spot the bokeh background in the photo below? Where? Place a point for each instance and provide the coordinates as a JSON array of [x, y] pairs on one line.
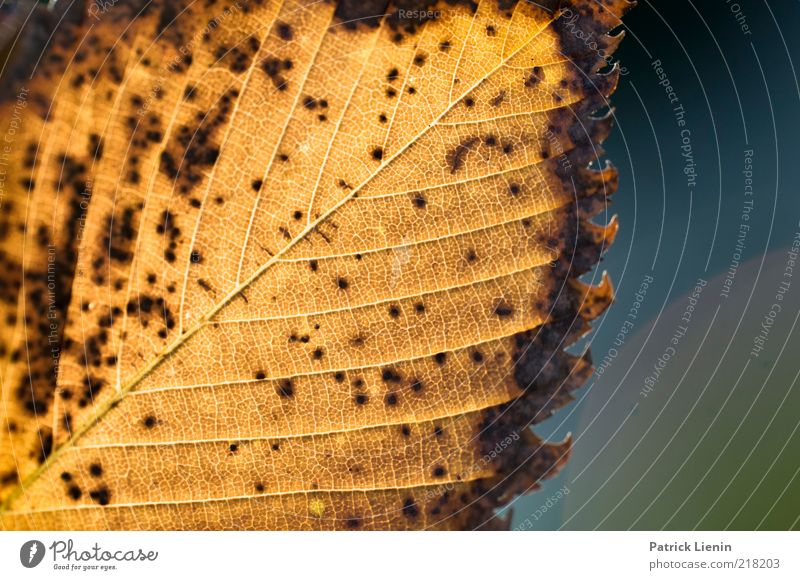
[[709, 439]]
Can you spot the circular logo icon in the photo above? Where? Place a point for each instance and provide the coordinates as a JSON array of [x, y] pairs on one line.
[[31, 553]]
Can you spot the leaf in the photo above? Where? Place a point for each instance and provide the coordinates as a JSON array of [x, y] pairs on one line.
[[297, 265]]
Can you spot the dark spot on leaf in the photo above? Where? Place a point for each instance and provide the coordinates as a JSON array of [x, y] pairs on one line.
[[285, 31], [496, 100], [390, 376], [455, 158], [535, 77], [503, 309], [410, 509], [285, 388], [101, 495]]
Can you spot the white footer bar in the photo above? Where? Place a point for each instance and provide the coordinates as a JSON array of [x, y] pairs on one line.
[[406, 556]]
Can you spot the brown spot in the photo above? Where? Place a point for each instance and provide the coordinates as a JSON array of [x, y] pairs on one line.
[[536, 76], [502, 309], [101, 495], [455, 158], [285, 31], [353, 522], [410, 509], [285, 388]]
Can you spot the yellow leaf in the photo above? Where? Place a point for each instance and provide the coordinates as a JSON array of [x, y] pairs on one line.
[[297, 265]]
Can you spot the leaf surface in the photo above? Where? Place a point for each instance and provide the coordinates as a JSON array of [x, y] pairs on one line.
[[292, 265]]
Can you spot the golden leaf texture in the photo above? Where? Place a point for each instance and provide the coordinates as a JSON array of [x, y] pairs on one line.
[[299, 264]]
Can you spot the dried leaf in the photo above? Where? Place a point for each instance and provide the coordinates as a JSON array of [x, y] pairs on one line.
[[295, 265]]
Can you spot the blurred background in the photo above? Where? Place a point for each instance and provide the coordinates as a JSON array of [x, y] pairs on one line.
[[692, 421]]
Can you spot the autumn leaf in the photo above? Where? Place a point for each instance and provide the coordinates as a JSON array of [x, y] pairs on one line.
[[296, 265]]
